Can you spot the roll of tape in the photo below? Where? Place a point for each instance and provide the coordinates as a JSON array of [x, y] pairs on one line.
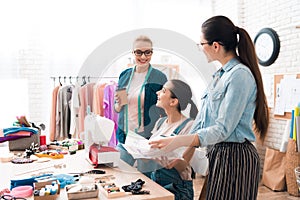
[[6, 157], [22, 191]]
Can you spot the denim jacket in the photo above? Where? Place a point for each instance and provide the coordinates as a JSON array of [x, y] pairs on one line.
[[155, 82], [227, 107]]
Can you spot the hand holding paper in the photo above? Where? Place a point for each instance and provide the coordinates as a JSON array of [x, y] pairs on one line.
[[139, 147], [171, 143]]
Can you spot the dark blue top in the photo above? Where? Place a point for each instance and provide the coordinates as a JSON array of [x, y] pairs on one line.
[[155, 82]]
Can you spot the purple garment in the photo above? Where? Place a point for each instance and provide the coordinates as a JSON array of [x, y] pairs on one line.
[[109, 112], [11, 137]]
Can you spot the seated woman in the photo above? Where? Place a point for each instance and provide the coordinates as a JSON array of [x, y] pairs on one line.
[[176, 174]]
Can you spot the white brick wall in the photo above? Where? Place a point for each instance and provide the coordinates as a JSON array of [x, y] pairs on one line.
[[282, 16], [32, 67]]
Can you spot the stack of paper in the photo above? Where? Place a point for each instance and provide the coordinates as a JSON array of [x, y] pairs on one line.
[[139, 147]]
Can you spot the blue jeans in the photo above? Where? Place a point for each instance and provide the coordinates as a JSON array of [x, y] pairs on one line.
[[144, 166], [124, 155], [171, 180]]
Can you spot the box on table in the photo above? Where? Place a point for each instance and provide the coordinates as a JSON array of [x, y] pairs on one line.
[[111, 190], [39, 185], [83, 194], [24, 143]]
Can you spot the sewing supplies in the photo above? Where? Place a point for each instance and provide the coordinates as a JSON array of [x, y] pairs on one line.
[[47, 190], [82, 191]]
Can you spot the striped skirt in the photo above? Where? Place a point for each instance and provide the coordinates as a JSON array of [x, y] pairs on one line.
[[233, 172]]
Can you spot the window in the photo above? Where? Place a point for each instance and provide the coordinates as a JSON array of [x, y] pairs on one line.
[[13, 100]]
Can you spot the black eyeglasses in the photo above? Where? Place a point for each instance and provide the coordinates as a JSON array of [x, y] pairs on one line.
[[203, 43], [200, 45], [9, 197], [140, 52]]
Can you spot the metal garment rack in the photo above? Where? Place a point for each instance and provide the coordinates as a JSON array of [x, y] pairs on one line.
[[84, 79]]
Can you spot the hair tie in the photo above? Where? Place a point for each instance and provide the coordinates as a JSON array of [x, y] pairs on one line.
[[237, 30]]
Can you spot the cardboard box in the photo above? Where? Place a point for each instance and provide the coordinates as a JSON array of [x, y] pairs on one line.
[[24, 143], [111, 191], [39, 185], [84, 194]]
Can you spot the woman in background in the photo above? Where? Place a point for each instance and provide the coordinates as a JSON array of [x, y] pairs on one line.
[[141, 83]]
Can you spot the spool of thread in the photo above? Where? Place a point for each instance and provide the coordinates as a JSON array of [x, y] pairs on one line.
[[42, 192], [42, 139], [54, 188]]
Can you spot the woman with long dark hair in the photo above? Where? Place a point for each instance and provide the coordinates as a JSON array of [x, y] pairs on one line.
[[233, 111]]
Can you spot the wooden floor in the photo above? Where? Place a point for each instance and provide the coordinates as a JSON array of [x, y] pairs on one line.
[[264, 193]]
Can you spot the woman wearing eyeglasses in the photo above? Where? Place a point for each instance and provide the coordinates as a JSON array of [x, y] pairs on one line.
[[232, 113], [141, 82]]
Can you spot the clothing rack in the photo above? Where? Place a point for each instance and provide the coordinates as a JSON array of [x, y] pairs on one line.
[[84, 79]]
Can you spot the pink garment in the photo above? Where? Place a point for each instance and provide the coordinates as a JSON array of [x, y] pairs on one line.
[[109, 112], [86, 99], [98, 99], [53, 114]]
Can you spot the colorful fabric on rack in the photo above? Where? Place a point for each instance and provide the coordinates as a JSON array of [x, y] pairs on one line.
[[98, 99], [63, 112], [86, 99], [53, 114], [75, 104], [109, 112]]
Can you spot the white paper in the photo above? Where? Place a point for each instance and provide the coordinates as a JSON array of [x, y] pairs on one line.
[[285, 136], [139, 147], [287, 94], [279, 101]]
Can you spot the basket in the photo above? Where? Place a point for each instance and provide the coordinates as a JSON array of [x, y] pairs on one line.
[[24, 143], [292, 161]]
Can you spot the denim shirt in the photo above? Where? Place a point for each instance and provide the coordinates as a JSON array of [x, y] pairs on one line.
[[227, 107]]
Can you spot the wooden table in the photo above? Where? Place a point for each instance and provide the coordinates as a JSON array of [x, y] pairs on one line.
[[124, 175]]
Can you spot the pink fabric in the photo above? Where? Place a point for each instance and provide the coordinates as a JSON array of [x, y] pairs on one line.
[[98, 99], [53, 114], [86, 98]]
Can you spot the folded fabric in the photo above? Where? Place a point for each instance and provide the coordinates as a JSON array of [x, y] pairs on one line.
[[15, 182], [11, 137], [11, 130]]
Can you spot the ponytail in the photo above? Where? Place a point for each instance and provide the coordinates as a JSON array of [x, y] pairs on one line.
[[247, 55], [193, 110]]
